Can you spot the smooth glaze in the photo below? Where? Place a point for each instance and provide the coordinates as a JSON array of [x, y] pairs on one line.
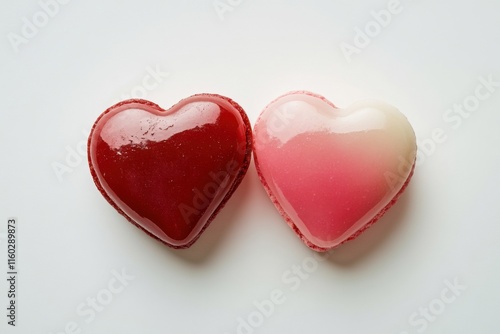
[[170, 171], [332, 172]]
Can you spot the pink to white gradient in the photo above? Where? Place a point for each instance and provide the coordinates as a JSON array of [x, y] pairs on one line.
[[330, 171]]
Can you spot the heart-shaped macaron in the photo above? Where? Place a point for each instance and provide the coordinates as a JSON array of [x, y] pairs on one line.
[[331, 172], [169, 172]]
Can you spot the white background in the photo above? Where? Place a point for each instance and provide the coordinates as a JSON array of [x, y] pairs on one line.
[[91, 54]]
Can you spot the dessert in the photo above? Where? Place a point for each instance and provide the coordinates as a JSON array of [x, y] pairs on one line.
[[331, 172], [169, 172]]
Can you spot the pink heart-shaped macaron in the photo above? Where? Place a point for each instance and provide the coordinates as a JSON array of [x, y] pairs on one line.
[[332, 172]]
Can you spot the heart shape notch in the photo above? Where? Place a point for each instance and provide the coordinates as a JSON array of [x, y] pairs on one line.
[[169, 172], [331, 172]]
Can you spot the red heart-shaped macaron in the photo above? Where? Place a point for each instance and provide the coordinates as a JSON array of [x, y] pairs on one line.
[[332, 172], [169, 172]]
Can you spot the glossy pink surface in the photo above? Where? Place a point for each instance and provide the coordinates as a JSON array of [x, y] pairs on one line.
[[170, 171], [332, 172]]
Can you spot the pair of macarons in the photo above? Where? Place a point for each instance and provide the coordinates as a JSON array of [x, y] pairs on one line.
[[330, 172]]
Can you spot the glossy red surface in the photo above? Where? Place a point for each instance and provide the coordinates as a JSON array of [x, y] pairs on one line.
[[170, 171]]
